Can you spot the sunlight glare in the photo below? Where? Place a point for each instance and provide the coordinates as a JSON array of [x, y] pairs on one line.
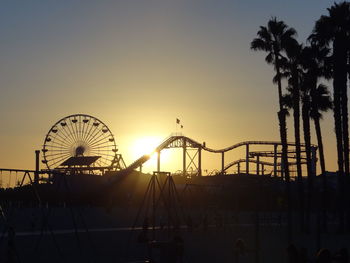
[[147, 145]]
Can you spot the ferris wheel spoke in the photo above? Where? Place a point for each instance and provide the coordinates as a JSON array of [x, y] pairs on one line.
[[72, 123], [54, 158], [106, 162], [104, 154], [74, 127], [58, 141], [83, 129], [67, 139], [58, 154], [69, 134], [96, 133], [93, 127], [102, 163], [71, 130], [64, 140], [66, 133], [86, 130], [63, 156], [58, 161], [100, 141], [101, 152], [100, 138], [102, 149], [93, 134], [103, 146], [58, 148], [80, 128]]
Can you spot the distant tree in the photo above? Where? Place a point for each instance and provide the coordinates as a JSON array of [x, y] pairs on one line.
[[273, 39]]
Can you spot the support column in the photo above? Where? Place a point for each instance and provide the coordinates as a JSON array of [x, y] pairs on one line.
[[184, 172], [247, 160], [199, 161], [158, 161], [36, 174], [262, 169], [222, 162], [275, 160], [239, 168], [313, 160], [257, 165]]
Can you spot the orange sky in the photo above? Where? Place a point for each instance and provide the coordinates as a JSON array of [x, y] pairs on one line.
[[138, 66]]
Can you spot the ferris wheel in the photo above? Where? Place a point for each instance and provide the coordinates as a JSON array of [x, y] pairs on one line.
[[79, 135]]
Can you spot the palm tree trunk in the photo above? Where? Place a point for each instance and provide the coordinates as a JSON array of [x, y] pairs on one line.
[[323, 172], [338, 81], [307, 139], [283, 133], [296, 116], [345, 128]]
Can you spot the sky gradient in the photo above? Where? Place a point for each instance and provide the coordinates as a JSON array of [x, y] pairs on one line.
[[139, 65]]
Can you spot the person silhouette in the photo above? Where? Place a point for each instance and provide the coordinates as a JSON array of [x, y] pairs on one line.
[[11, 249], [239, 249], [292, 254], [303, 257], [189, 223], [342, 256], [323, 256], [171, 251]]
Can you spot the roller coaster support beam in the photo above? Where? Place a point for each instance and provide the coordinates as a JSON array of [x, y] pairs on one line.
[[313, 160], [257, 165], [239, 168], [200, 161], [222, 162], [184, 167], [247, 159], [275, 160], [262, 169], [158, 161], [36, 173]]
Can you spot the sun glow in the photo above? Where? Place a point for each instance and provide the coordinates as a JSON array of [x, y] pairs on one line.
[[147, 145]]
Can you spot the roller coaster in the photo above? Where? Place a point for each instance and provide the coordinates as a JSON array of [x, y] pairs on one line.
[[83, 144], [195, 158]]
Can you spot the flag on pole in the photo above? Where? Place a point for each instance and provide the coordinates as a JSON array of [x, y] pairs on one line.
[[177, 121]]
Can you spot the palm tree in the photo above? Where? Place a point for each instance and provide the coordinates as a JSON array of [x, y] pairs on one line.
[[292, 70], [333, 30], [314, 63], [273, 39], [306, 105], [321, 102]]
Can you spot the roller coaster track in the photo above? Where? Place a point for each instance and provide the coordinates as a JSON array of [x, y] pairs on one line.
[[255, 161], [176, 141]]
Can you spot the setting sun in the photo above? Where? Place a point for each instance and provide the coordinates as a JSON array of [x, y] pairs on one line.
[[147, 145]]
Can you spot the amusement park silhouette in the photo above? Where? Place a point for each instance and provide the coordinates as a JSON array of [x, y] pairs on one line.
[[221, 136]]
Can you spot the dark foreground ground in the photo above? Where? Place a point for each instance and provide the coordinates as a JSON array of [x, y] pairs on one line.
[[109, 236]]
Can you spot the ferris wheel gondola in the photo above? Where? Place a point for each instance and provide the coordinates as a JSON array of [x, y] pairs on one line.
[[79, 136]]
